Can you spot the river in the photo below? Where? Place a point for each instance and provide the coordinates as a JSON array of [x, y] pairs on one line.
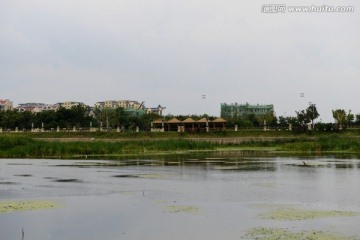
[[183, 197]]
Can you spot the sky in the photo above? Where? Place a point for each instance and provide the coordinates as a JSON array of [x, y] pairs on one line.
[[174, 52]]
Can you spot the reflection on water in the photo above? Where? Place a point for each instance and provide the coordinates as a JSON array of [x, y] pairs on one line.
[[166, 197]]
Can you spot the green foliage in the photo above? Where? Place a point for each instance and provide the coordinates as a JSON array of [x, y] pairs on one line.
[[253, 121], [15, 146], [9, 142], [77, 116], [342, 118], [330, 143], [357, 119], [304, 117], [22, 146]]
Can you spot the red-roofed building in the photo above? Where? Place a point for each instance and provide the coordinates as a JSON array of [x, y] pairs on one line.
[[6, 105]]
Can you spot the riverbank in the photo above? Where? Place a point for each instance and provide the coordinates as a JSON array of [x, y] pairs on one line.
[[106, 145]]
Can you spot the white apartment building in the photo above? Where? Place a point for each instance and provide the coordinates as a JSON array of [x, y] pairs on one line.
[[70, 104], [126, 104]]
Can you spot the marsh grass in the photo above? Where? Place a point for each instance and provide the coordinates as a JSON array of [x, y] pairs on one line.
[[22, 146], [331, 143], [26, 147]]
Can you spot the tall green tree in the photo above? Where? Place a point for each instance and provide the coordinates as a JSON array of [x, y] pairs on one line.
[[342, 118], [312, 114], [357, 119], [302, 119]]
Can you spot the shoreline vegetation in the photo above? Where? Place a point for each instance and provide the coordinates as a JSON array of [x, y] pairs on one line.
[[110, 145]]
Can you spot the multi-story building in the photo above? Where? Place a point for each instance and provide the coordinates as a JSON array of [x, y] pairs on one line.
[[6, 105], [36, 107], [130, 106], [235, 110], [126, 104], [106, 104], [70, 104], [158, 110]]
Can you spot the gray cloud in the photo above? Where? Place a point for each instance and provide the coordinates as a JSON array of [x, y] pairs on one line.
[[172, 52]]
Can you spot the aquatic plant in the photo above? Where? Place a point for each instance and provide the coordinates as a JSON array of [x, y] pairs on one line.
[[24, 147], [324, 144], [293, 214], [15, 206], [285, 234]]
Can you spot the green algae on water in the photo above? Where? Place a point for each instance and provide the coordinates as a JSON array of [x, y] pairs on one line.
[[293, 214], [288, 212], [16, 206], [181, 209], [284, 234]]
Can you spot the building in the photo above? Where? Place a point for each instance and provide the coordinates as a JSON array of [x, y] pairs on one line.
[[36, 107], [158, 110], [125, 104], [188, 125], [237, 110], [70, 104], [130, 106], [110, 104], [6, 105]]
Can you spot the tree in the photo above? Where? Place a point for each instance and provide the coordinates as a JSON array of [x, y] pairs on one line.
[[312, 114], [302, 119], [283, 122], [350, 118], [256, 122], [357, 121], [342, 118]]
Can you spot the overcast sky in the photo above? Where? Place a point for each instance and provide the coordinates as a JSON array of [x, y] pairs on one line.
[[173, 52]]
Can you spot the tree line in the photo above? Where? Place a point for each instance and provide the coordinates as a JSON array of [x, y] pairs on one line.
[[77, 116], [83, 117], [302, 120]]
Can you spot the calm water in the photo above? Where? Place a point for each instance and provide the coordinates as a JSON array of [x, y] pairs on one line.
[[178, 198]]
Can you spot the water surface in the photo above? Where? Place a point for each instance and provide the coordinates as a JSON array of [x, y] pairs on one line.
[[183, 197]]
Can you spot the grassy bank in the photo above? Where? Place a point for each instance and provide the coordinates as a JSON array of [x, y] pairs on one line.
[[24, 146], [159, 135], [331, 143]]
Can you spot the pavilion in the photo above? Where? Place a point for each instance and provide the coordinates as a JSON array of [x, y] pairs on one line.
[[189, 125]]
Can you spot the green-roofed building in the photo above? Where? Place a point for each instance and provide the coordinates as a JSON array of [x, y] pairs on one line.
[[236, 110]]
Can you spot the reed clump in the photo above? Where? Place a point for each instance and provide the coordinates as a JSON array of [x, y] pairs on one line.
[[25, 147], [21, 146], [331, 143]]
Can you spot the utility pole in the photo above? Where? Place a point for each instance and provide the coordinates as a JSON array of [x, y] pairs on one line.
[[203, 98]]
